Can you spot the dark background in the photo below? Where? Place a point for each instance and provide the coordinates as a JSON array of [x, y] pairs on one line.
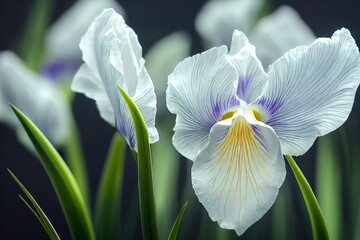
[[151, 20]]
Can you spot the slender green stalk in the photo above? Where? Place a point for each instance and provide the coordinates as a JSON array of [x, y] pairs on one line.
[[107, 204], [36, 210], [75, 158], [175, 228], [319, 228], [31, 41], [145, 174], [328, 183]]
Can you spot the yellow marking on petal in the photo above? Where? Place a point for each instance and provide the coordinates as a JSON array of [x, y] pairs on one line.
[[238, 155], [257, 114], [228, 114]]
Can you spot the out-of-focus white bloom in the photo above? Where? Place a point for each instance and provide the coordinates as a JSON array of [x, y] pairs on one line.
[[63, 55], [162, 58], [113, 57], [34, 95], [273, 35], [235, 121]]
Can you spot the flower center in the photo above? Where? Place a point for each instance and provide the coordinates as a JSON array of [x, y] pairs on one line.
[[228, 114], [257, 114]]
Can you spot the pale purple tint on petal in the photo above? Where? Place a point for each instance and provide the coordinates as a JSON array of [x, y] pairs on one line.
[[243, 84], [60, 67], [219, 108], [270, 106]]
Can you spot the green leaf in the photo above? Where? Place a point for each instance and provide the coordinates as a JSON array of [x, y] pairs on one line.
[[69, 194], [175, 228], [145, 178], [166, 170], [328, 183], [31, 41], [36, 209], [75, 158], [107, 204], [318, 224]]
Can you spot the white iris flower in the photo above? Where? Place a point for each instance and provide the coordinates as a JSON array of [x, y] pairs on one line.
[[113, 57], [218, 19], [38, 97], [235, 121]]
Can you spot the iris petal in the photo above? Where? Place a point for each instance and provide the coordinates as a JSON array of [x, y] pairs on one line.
[[237, 176], [112, 56], [251, 75], [200, 90], [311, 91]]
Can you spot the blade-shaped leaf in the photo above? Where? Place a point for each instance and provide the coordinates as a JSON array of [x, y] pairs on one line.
[[318, 224], [107, 203], [145, 178], [69, 194], [36, 209], [175, 228]]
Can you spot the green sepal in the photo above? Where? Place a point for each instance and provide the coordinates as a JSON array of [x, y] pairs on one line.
[[319, 228], [36, 209], [175, 228], [145, 178], [68, 192], [107, 204]]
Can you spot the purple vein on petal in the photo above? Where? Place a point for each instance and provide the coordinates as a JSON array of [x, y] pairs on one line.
[[219, 108], [243, 84]]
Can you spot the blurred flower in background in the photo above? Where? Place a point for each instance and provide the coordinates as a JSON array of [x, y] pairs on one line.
[[62, 52], [273, 34], [37, 96]]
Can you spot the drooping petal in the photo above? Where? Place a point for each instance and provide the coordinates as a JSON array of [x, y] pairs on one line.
[[112, 56], [279, 32], [217, 20], [251, 75], [63, 37], [200, 90], [37, 97], [238, 175], [311, 91]]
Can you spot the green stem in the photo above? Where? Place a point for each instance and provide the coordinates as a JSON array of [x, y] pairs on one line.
[[108, 198], [75, 158], [319, 228]]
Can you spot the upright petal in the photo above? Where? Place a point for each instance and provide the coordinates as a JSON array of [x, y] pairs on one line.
[[200, 90], [311, 91], [217, 20], [271, 39], [251, 75], [37, 97], [238, 175], [112, 56]]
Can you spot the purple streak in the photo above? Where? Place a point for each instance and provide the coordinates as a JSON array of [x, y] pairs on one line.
[[243, 84], [60, 68]]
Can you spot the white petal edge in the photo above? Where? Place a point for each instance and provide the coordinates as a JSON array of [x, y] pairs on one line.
[[271, 38], [200, 90], [311, 91], [161, 60], [251, 75], [238, 175]]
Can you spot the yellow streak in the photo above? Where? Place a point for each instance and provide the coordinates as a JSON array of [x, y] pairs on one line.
[[240, 152]]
